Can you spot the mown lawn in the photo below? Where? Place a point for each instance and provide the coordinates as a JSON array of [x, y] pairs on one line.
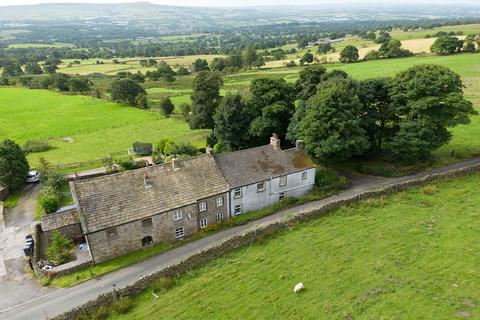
[[412, 255], [97, 126]]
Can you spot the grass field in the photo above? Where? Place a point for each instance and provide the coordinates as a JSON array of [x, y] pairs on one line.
[[41, 45], [421, 33], [127, 64], [98, 127], [412, 255]]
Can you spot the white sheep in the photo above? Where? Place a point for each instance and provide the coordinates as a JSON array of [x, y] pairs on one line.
[[298, 287]]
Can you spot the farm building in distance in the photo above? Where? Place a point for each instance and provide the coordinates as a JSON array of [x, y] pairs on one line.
[[126, 211]]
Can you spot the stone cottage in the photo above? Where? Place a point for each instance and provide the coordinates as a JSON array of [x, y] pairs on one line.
[[126, 211], [259, 177]]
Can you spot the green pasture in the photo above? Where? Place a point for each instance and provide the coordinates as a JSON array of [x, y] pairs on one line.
[[421, 33], [41, 45], [98, 127], [411, 255]]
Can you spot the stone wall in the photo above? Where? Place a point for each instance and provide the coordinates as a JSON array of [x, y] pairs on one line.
[[234, 242], [72, 232]]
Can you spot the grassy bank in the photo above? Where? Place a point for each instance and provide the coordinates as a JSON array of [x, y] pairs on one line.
[[411, 255]]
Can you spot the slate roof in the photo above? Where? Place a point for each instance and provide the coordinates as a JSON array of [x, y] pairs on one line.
[[253, 165], [62, 218], [123, 197]]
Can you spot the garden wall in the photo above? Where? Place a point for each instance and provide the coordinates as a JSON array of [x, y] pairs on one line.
[[253, 234]]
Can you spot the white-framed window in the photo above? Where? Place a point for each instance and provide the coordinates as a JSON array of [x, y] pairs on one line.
[[237, 193], [282, 195], [203, 223], [237, 209], [282, 181], [220, 217], [177, 215], [202, 206], [179, 232], [304, 175], [260, 186], [219, 201]]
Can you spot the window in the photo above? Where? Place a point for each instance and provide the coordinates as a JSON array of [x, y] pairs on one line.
[[203, 223], [177, 215], [179, 233], [202, 206], [146, 241], [237, 193], [147, 223], [219, 201], [112, 234], [283, 181], [219, 217], [237, 209], [261, 187], [282, 195], [304, 175]]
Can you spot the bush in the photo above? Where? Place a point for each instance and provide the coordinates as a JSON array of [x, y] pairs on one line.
[[53, 180], [49, 201], [328, 179], [122, 305], [162, 284], [166, 105], [185, 148], [60, 248], [185, 109]]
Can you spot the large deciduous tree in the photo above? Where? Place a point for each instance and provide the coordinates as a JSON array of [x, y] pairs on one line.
[[232, 123], [331, 126], [349, 54], [205, 99], [13, 165], [126, 90], [429, 99], [446, 45], [271, 105]]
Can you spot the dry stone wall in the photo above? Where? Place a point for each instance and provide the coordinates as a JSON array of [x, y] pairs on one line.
[[252, 235]]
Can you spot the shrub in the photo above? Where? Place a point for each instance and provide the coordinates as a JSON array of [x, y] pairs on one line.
[[60, 248], [328, 179], [53, 180], [33, 146], [185, 148], [122, 305], [166, 105], [185, 109], [49, 201], [162, 284]]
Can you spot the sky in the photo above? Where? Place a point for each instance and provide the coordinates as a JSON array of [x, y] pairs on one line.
[[229, 3]]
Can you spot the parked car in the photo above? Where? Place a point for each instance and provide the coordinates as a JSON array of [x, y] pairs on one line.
[[33, 177]]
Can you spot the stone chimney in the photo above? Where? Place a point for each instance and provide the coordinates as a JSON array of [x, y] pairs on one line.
[[275, 142], [175, 165], [146, 180], [300, 145], [209, 150]]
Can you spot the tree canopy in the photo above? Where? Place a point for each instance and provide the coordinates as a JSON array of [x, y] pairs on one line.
[[126, 90], [349, 54], [205, 99], [13, 165]]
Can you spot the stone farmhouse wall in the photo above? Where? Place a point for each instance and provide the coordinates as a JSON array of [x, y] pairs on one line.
[[162, 229], [73, 231], [252, 235]]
